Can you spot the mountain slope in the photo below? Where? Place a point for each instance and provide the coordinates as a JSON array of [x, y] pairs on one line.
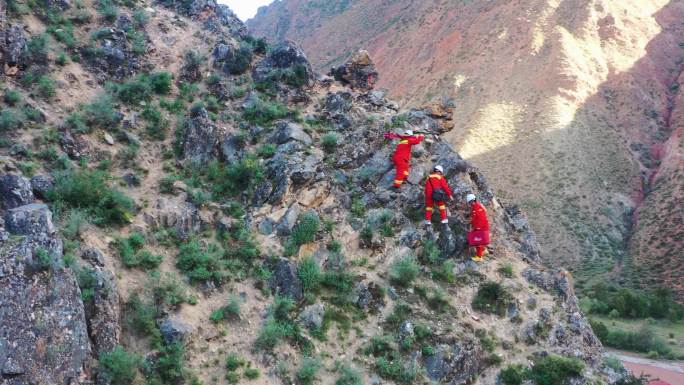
[[566, 105], [181, 204]]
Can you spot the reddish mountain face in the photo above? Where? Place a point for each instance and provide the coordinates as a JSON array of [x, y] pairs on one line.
[[571, 107]]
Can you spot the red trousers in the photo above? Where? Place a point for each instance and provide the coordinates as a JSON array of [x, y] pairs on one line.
[[402, 171], [480, 250], [429, 206]]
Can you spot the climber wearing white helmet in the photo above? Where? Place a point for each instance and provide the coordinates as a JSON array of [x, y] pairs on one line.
[[436, 193], [402, 155], [478, 236]]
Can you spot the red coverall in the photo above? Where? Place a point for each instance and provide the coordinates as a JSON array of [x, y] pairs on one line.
[[479, 222], [402, 157], [435, 181]]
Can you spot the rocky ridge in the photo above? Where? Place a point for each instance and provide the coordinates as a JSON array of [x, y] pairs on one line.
[[566, 106], [275, 175]]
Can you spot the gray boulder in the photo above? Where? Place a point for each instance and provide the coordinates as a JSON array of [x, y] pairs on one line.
[[369, 296], [288, 220], [450, 244], [42, 323], [312, 316], [41, 184], [359, 72], [288, 131], [73, 145], [181, 216], [285, 280], [338, 102], [102, 311], [30, 220], [15, 191], [285, 59], [173, 330], [455, 364], [16, 48], [200, 138], [231, 58]]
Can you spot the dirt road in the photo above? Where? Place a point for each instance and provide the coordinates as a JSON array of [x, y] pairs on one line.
[[669, 371]]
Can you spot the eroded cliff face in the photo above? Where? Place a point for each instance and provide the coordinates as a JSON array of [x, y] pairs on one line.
[[567, 105]]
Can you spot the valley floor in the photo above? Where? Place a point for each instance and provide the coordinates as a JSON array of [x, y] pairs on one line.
[[670, 371]]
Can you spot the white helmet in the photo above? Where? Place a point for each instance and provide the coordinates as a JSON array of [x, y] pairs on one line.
[[439, 168], [408, 132], [470, 198]]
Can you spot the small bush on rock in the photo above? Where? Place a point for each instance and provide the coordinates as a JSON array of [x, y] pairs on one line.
[[404, 270], [200, 263], [90, 191], [119, 367], [512, 374], [555, 370], [11, 97], [492, 298]]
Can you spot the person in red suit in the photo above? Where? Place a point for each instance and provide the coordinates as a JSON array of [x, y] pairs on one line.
[[478, 223], [402, 155], [436, 192]]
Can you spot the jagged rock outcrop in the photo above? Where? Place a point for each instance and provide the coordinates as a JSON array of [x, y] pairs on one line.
[[201, 137], [285, 61], [42, 323], [15, 191], [359, 72], [114, 57]]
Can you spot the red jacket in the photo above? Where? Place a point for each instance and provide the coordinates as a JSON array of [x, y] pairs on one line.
[[478, 217], [403, 151], [436, 181]]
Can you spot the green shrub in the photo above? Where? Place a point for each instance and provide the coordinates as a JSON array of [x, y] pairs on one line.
[[89, 191], [258, 111], [234, 178], [329, 142], [62, 59], [107, 10], [310, 274], [399, 314], [506, 270], [38, 48], [160, 82], [119, 367], [230, 311], [133, 91], [266, 150], [87, 281], [11, 97], [404, 270], [76, 122], [138, 42], [349, 376], [438, 300], [74, 224], [200, 263], [140, 18], [239, 63], [11, 120], [445, 271], [156, 123], [141, 317], [272, 333], [492, 298], [658, 303], [555, 370], [169, 363], [306, 374], [512, 374], [234, 362], [306, 229], [252, 373], [101, 113], [46, 87]]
